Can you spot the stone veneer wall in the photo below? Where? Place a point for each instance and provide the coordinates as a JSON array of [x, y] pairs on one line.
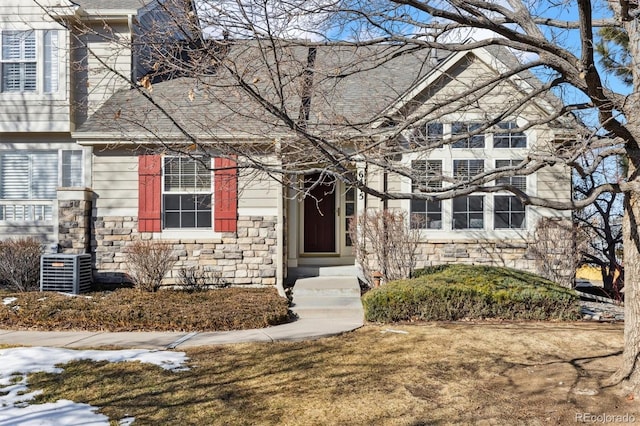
[[74, 220], [512, 254], [242, 258], [555, 263]]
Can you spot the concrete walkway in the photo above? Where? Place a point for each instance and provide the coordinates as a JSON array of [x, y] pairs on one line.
[[325, 306]]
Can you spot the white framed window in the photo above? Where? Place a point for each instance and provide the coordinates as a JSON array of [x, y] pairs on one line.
[[71, 170], [435, 133], [187, 194], [29, 61], [506, 137], [459, 129], [28, 181], [350, 206], [517, 181], [426, 214], [26, 175], [465, 170], [508, 212], [468, 212]]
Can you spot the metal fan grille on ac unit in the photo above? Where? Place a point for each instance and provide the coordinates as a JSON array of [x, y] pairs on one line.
[[67, 273]]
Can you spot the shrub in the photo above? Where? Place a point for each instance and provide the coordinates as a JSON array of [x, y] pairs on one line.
[[149, 262], [194, 279], [382, 241], [454, 292], [20, 264]]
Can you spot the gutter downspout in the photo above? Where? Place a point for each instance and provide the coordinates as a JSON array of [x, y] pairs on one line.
[[280, 235], [134, 68]]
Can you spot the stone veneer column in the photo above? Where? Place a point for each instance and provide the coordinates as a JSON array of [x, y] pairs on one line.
[[74, 220]]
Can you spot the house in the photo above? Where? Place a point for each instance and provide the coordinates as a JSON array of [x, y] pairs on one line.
[[90, 164]]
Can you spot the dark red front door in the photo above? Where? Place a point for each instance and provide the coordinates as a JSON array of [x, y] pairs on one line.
[[319, 217]]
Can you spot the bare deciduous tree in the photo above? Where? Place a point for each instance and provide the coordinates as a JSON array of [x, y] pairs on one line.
[[600, 227], [260, 64]]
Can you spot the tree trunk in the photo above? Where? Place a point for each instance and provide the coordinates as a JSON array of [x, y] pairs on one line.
[[629, 372]]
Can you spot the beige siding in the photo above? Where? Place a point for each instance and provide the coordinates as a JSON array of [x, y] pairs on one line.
[[115, 182], [553, 183], [257, 191], [103, 66], [28, 11]]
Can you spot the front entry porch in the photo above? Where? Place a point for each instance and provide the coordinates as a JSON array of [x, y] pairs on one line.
[[318, 240]]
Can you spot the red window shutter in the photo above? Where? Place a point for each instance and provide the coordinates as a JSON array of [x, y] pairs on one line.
[[149, 193], [225, 202]]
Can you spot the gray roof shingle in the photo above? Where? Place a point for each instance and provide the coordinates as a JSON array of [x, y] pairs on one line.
[[352, 86]]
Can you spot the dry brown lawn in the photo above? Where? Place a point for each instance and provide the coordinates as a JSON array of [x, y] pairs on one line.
[[436, 373]]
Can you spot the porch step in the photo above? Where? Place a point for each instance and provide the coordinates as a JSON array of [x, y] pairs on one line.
[[321, 302], [328, 298], [323, 271], [327, 287], [355, 313]]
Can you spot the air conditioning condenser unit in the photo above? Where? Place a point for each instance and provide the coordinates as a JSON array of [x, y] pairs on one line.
[[66, 273]]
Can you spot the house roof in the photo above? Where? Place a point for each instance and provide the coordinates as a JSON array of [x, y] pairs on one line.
[[351, 87], [355, 91]]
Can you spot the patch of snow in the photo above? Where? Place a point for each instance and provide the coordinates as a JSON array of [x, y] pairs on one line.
[[18, 362], [74, 295], [127, 421], [9, 300]]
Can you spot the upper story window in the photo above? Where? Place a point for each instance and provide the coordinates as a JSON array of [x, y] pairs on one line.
[[435, 134], [458, 130], [187, 193], [507, 137], [29, 61], [517, 181], [466, 170]]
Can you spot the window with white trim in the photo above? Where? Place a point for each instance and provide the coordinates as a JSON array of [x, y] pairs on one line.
[[186, 201], [465, 170], [468, 212], [426, 214], [517, 181], [506, 137], [508, 212], [459, 129], [28, 182], [71, 174], [29, 61]]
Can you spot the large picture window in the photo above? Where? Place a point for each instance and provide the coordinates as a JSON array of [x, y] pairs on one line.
[[508, 212], [426, 214], [187, 193], [468, 212], [29, 61]]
